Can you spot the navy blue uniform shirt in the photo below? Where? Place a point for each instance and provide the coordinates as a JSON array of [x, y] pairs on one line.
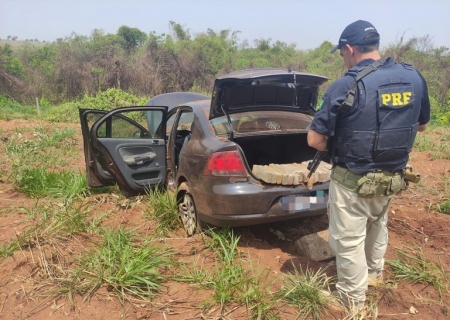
[[324, 121]]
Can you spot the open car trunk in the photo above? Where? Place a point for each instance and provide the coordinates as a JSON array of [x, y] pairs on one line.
[[282, 159]]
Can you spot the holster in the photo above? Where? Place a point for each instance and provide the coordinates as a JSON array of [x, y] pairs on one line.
[[411, 176]]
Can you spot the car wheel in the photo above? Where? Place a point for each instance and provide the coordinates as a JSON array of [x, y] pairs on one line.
[[186, 210]]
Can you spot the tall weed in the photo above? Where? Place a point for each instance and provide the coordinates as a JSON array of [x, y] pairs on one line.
[[305, 290], [163, 207], [230, 281], [52, 224], [412, 266], [131, 270], [41, 182]]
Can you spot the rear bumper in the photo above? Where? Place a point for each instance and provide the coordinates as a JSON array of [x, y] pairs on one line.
[[245, 203], [254, 219]]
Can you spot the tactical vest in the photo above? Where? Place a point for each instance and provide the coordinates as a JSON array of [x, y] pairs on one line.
[[379, 131]]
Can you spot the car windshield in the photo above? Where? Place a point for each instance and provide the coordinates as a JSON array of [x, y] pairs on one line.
[[259, 121]]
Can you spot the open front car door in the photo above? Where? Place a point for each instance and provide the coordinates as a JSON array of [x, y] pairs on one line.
[[126, 146]]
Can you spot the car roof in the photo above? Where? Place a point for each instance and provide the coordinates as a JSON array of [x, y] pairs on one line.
[[174, 99]]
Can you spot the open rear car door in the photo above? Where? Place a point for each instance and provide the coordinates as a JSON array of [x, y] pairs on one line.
[[119, 147]]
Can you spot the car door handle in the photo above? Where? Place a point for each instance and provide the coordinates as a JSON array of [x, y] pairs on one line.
[[139, 159]]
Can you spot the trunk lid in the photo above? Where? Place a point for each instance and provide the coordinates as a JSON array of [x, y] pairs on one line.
[[265, 89]]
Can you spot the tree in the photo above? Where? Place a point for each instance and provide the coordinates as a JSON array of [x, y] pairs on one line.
[[263, 44], [11, 64], [131, 37], [179, 32]]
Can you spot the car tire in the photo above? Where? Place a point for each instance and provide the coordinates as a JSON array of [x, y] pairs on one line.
[[187, 211]]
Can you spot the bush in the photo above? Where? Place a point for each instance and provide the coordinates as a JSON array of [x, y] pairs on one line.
[[106, 100]]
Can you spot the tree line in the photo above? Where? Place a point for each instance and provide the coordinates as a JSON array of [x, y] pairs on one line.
[[150, 64]]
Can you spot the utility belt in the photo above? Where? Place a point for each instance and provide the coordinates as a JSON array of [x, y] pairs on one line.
[[378, 183]]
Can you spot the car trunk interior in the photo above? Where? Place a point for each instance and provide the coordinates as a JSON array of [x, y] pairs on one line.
[[279, 149], [285, 149]]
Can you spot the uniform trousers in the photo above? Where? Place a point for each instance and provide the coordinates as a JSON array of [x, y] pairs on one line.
[[359, 236]]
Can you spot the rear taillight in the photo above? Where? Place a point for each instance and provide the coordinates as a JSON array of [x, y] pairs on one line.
[[225, 164]]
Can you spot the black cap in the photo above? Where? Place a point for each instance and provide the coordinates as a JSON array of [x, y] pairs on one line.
[[355, 34]]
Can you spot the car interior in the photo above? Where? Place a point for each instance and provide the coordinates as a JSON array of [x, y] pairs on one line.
[[183, 133]]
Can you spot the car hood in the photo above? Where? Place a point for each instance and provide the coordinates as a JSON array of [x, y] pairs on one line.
[[265, 89]]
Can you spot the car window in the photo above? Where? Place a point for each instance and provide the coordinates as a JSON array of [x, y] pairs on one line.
[[91, 118], [260, 121], [127, 125], [185, 121]]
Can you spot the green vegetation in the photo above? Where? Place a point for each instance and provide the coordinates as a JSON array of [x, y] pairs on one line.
[[305, 290], [436, 142], [69, 72], [131, 270], [40, 182], [444, 206], [105, 100], [163, 208], [37, 159], [412, 266], [52, 225], [232, 280]]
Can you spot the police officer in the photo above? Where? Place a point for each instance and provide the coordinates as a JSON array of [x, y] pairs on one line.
[[371, 116]]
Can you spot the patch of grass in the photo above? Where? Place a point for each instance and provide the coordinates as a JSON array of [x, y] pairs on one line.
[[231, 283], [40, 182], [444, 207], [195, 273], [61, 138], [70, 218], [163, 208], [227, 283], [303, 289], [39, 138], [22, 148], [132, 271], [434, 140], [21, 241], [31, 156], [54, 223], [412, 266], [424, 142], [224, 243], [10, 109], [228, 278], [33, 212], [258, 294]]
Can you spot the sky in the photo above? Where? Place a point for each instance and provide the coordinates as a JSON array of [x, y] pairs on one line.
[[305, 23]]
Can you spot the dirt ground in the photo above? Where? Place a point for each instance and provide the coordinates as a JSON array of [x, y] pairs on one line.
[[413, 222]]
